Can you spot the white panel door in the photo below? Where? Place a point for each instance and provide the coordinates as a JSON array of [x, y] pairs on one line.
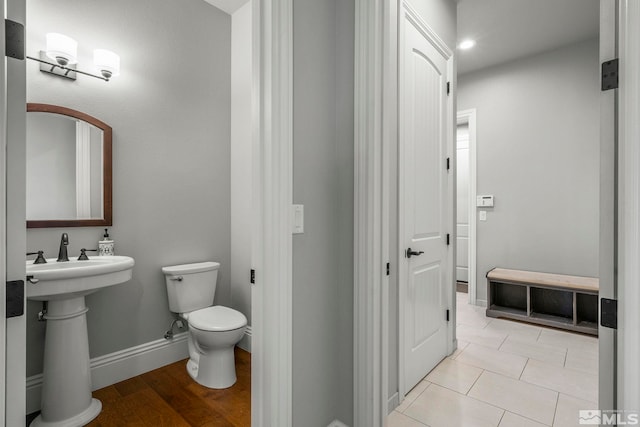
[[423, 196], [462, 212]]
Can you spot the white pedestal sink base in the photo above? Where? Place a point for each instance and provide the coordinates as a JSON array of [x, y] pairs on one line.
[[80, 419], [66, 382]]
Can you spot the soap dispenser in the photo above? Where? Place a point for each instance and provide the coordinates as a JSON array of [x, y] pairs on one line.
[[105, 246]]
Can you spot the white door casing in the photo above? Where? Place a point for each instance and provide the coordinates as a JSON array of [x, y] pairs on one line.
[[423, 190], [272, 151], [3, 210], [463, 207]]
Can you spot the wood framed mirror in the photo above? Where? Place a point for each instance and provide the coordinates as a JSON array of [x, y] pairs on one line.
[[69, 170]]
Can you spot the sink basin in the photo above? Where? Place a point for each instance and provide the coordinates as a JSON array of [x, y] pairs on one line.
[[73, 278], [66, 379]]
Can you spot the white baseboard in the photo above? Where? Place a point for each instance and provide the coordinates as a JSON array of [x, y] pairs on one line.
[[336, 423], [121, 365], [245, 343], [393, 403], [481, 302]]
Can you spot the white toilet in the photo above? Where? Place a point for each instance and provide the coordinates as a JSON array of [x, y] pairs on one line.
[[213, 330]]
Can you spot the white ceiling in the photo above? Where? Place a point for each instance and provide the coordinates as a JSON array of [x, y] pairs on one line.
[[228, 6], [505, 30]]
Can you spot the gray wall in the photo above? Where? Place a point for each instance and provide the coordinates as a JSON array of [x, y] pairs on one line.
[[323, 182], [170, 113], [440, 15], [538, 154]]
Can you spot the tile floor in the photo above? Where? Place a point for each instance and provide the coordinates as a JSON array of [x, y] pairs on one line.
[[505, 374]]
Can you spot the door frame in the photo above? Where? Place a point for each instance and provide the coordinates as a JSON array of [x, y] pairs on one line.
[[272, 124], [375, 202], [469, 117], [272, 151], [409, 14], [3, 224], [371, 195], [628, 205]]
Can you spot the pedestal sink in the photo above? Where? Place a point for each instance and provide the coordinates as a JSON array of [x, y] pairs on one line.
[[66, 382]]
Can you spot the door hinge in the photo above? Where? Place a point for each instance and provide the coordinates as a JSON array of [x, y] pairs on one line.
[[447, 315], [610, 74], [448, 88], [14, 39], [388, 268], [15, 298], [609, 313], [253, 276], [448, 163], [448, 239]]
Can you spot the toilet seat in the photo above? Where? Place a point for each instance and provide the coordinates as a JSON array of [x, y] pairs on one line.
[[216, 319]]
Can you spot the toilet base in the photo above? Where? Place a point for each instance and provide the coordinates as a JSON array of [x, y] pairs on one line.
[[216, 369]]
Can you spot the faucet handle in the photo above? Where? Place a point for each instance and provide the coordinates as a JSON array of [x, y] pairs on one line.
[[40, 258], [83, 254]]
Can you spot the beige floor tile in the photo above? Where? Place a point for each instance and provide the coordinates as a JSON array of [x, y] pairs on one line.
[[516, 330], [567, 410], [500, 362], [515, 396], [568, 381], [482, 337], [462, 344], [396, 419], [564, 339], [411, 396], [535, 350], [441, 407], [512, 420], [471, 315], [454, 375], [582, 361]]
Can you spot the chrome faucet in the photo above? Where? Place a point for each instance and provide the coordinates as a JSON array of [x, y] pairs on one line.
[[62, 253]]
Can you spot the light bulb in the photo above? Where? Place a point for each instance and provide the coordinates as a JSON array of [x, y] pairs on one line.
[[62, 49], [107, 62]]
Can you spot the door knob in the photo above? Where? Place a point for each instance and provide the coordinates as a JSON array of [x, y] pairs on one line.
[[409, 253]]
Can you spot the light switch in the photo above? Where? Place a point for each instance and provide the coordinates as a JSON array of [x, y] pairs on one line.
[[298, 219], [483, 215]]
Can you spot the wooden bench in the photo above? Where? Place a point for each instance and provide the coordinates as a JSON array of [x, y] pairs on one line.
[[557, 300]]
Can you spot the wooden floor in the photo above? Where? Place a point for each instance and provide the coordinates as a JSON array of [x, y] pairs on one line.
[[169, 397]]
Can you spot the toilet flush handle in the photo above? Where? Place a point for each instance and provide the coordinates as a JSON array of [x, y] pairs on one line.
[[176, 278]]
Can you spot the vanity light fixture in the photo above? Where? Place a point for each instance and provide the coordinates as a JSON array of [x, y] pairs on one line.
[[61, 56]]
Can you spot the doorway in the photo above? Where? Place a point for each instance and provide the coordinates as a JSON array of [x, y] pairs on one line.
[[466, 203], [269, 317], [388, 104]]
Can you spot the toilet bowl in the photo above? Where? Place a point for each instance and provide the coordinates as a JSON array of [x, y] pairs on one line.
[[213, 334], [213, 330]]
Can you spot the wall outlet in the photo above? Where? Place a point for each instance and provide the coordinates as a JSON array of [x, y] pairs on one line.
[[483, 215]]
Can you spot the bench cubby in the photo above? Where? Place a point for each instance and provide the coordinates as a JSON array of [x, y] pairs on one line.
[[556, 300]]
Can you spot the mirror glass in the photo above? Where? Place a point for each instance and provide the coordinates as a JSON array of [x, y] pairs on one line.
[[68, 168]]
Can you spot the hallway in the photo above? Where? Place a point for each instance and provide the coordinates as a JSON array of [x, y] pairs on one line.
[[505, 374]]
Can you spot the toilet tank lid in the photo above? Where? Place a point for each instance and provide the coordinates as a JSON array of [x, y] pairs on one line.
[[191, 268]]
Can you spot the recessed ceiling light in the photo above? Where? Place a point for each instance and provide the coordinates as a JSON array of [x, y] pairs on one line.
[[467, 44]]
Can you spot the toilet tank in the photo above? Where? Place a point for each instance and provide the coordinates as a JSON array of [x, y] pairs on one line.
[[191, 286]]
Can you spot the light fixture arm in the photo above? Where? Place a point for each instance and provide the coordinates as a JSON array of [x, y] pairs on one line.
[[67, 69]]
